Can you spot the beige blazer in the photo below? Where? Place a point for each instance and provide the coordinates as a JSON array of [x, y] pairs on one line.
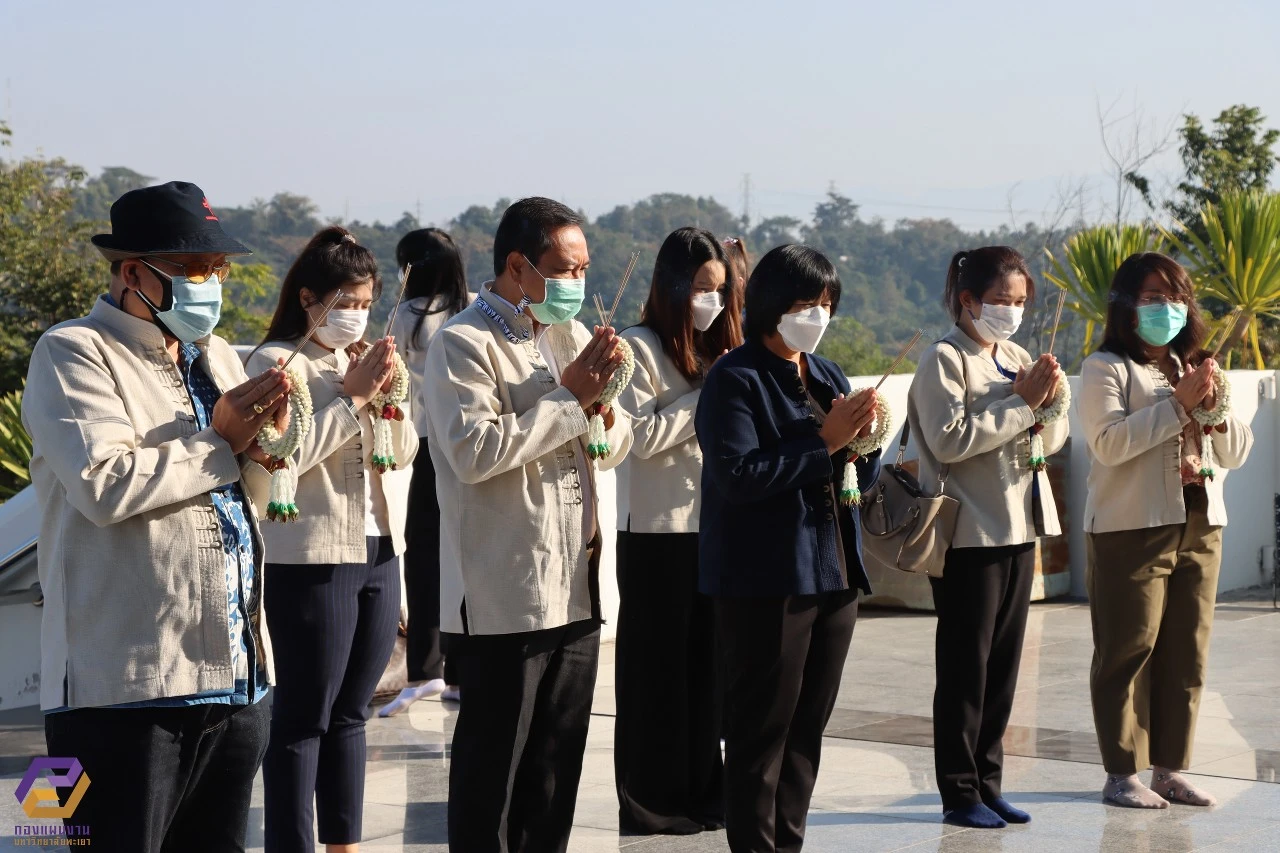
[[130, 555], [1132, 424], [414, 350], [665, 465], [331, 465], [502, 434], [986, 448]]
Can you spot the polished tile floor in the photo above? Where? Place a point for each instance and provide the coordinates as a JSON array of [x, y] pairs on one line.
[[876, 790]]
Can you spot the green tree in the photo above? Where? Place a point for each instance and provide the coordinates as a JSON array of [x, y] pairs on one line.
[[48, 270], [854, 347], [94, 199], [15, 447], [248, 300], [1236, 154], [775, 231], [1237, 261]]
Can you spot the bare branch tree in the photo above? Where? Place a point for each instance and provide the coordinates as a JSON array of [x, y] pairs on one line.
[[1130, 140]]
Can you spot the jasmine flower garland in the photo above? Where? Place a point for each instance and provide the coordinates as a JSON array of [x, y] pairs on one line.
[[281, 446], [597, 442], [385, 408], [850, 493], [1210, 418], [1053, 412]]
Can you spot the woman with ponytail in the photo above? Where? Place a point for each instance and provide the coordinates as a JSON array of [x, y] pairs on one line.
[[332, 591], [972, 410], [436, 289]]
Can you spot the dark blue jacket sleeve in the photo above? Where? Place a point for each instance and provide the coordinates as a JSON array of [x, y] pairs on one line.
[[868, 468], [741, 469]]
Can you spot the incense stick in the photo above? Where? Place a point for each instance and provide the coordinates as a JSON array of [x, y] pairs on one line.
[[600, 310], [404, 283], [617, 297], [905, 350], [312, 330], [1062, 300]]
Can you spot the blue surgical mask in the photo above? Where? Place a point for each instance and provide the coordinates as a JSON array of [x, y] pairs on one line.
[[563, 301], [195, 307], [1160, 323]]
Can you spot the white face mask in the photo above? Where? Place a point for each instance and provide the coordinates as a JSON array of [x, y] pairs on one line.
[[803, 330], [997, 322], [706, 308], [342, 328]]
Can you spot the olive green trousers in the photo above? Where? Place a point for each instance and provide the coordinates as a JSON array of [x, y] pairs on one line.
[[1151, 598]]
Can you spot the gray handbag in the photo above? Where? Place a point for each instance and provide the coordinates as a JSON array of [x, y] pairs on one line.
[[903, 528]]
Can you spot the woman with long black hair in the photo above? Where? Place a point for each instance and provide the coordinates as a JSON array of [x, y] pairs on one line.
[[332, 601], [667, 732], [435, 290]]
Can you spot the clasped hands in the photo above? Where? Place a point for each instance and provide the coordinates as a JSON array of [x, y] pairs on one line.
[[850, 417]]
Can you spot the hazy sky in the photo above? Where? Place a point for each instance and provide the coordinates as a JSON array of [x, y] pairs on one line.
[[372, 108]]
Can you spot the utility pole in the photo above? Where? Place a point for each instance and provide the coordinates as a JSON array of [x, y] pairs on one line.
[[418, 215], [746, 201]]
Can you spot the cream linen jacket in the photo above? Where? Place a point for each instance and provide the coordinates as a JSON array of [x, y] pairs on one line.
[[1132, 425], [987, 448], [130, 554], [414, 349], [331, 467], [502, 435], [664, 469]]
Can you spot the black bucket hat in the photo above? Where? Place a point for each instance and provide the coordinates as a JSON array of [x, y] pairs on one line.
[[171, 219]]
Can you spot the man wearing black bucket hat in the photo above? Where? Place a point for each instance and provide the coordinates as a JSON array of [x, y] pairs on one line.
[[154, 653]]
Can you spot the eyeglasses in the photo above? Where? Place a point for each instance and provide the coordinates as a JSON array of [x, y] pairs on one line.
[[195, 273], [1160, 299]]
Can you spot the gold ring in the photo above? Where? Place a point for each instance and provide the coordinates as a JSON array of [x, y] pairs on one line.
[[257, 407]]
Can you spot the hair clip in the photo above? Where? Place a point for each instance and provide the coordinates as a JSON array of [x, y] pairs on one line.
[[963, 258], [730, 241], [348, 238]]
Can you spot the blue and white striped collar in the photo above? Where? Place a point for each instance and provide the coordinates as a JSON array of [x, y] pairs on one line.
[[515, 325]]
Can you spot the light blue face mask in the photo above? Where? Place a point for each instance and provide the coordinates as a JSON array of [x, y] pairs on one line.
[[1160, 323], [563, 301], [196, 307]]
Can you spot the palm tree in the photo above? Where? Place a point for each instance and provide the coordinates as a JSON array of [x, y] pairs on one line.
[[15, 447], [1237, 260], [1090, 259]]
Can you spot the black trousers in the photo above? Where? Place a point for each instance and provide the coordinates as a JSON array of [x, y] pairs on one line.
[[163, 780], [520, 737], [332, 630], [666, 743], [783, 660], [982, 601], [425, 653]]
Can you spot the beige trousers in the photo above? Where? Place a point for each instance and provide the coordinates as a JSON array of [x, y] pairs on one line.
[[1151, 598]]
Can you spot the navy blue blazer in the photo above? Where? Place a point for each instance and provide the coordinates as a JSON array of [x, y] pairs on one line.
[[768, 521]]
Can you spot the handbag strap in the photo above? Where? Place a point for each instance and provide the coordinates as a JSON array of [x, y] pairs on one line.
[[945, 469]]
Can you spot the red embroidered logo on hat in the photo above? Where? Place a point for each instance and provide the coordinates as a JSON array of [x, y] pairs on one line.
[[205, 202]]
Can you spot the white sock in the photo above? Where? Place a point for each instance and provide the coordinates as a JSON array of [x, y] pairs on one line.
[[1176, 788], [1128, 791], [409, 695]]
